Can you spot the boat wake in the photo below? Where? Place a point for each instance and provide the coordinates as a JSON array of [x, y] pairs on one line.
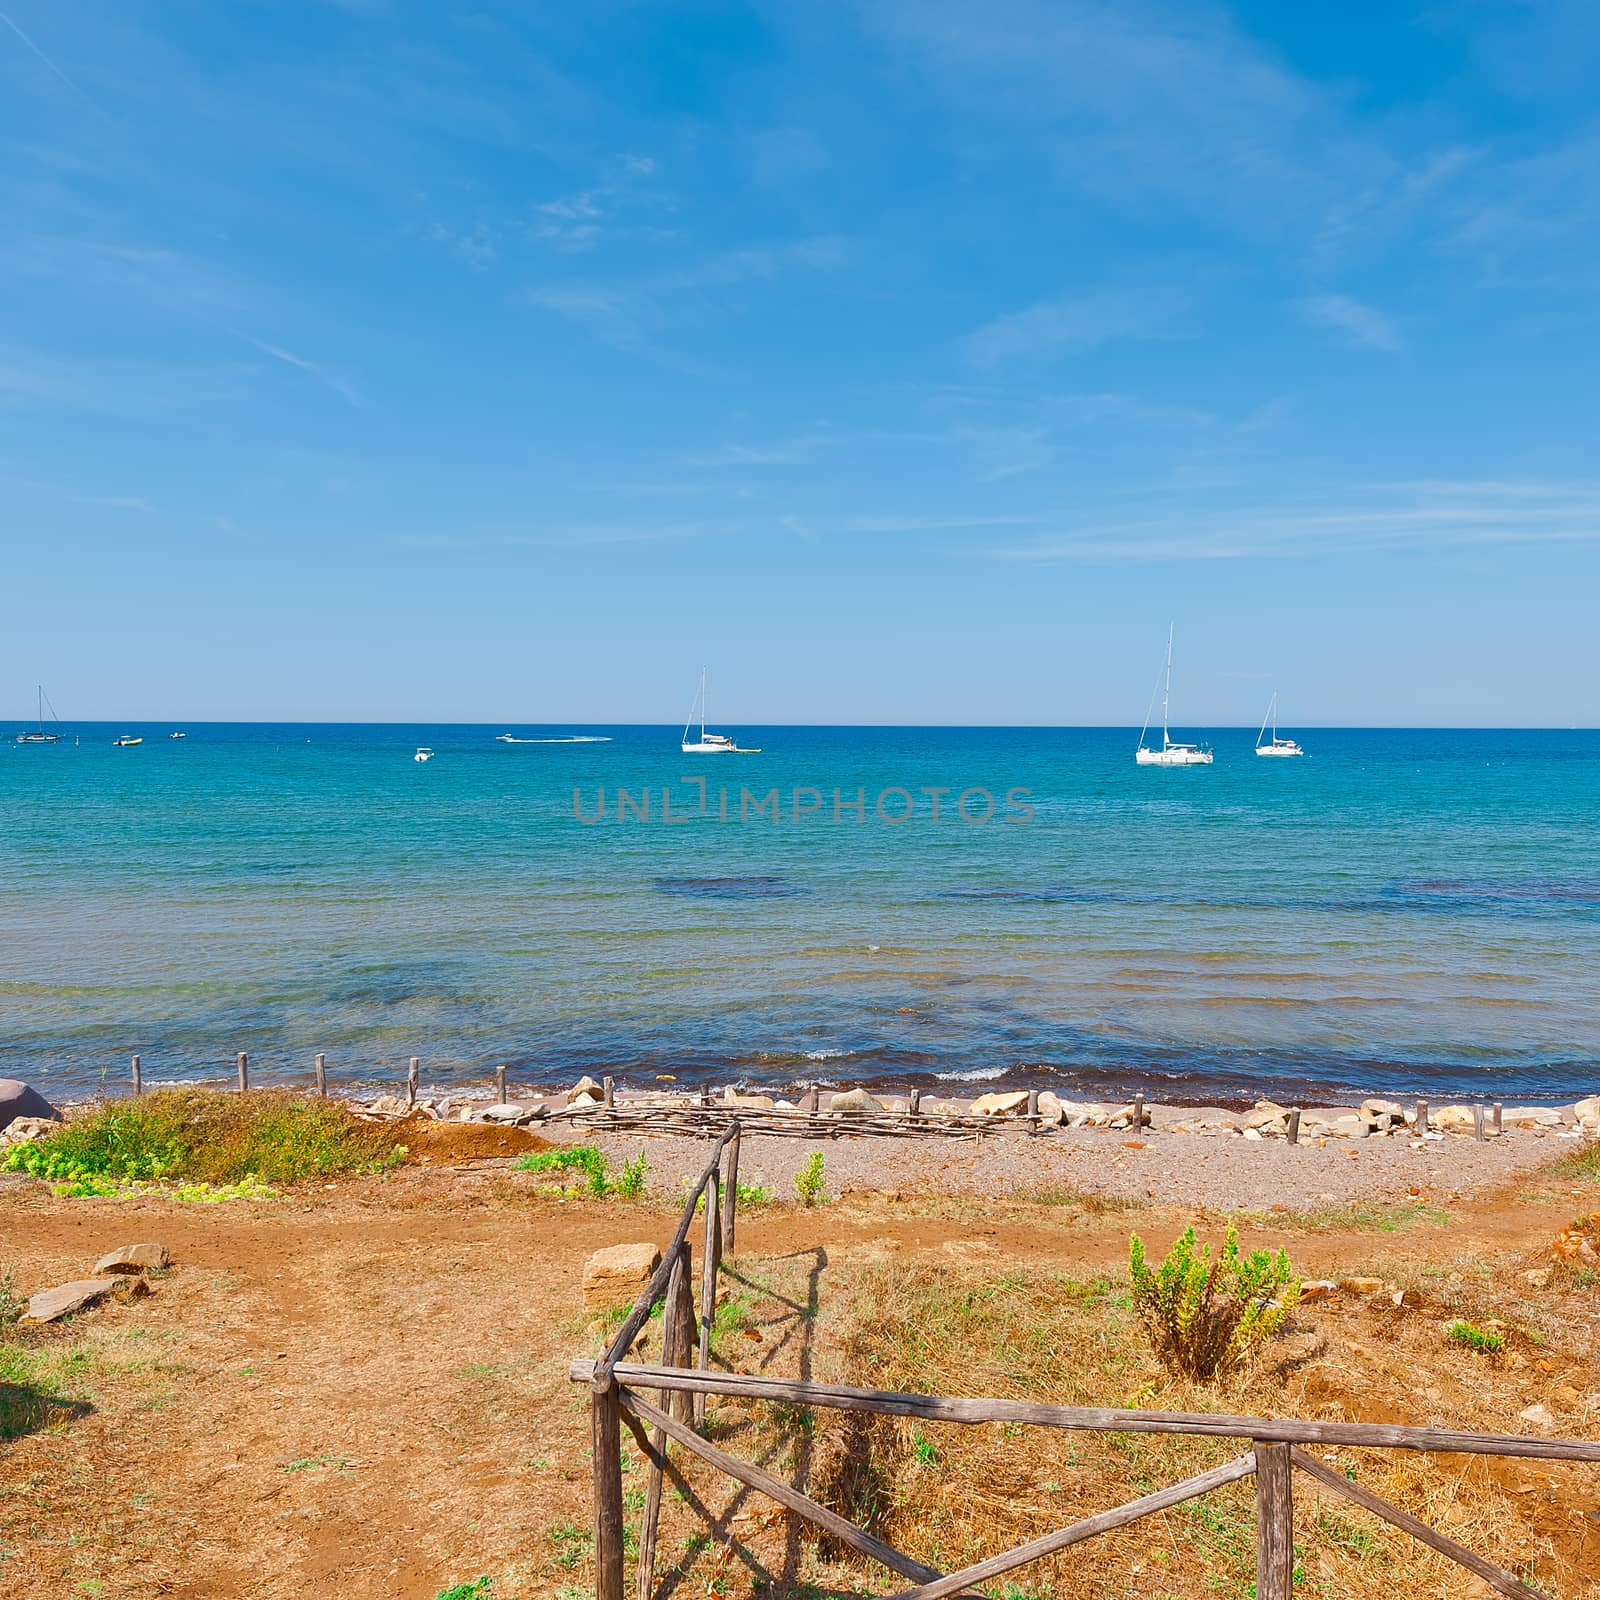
[[566, 738]]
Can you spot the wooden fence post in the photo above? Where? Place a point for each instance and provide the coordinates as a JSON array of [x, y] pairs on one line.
[[914, 1104], [710, 1263], [1294, 1125], [243, 1064], [1499, 1119], [1477, 1123], [138, 1082], [1033, 1111], [730, 1201], [606, 1430], [500, 1085], [411, 1081], [1274, 1523], [1421, 1124], [608, 1091], [322, 1074], [1138, 1113]]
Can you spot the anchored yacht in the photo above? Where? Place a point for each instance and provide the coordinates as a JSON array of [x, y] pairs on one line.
[[1172, 753]]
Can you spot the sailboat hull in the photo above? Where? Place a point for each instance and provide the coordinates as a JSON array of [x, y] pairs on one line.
[[1176, 757], [1286, 749]]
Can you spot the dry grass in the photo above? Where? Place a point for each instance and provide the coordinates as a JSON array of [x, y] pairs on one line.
[[951, 1494]]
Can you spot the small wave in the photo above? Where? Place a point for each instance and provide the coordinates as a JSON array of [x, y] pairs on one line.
[[971, 1074]]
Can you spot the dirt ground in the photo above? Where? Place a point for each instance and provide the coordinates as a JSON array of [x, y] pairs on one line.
[[360, 1388]]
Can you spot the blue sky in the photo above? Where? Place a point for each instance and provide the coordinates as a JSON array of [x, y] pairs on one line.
[[909, 361]]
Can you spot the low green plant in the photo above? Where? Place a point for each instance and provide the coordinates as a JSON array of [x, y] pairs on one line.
[[754, 1194], [478, 1589], [810, 1181], [1474, 1338], [630, 1186], [592, 1176], [207, 1137], [1206, 1316]]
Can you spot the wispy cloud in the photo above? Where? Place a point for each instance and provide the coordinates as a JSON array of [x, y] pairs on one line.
[[47, 61], [1360, 324], [1077, 320], [627, 312], [1422, 515], [315, 369]]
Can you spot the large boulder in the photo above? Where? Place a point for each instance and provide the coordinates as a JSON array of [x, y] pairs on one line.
[[1000, 1105], [747, 1102], [18, 1100], [615, 1275], [856, 1101], [1052, 1113], [585, 1092]]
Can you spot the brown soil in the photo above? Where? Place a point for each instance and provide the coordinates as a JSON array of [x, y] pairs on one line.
[[359, 1388]]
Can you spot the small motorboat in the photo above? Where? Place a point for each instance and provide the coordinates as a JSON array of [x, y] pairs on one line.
[[128, 739], [423, 753], [177, 736]]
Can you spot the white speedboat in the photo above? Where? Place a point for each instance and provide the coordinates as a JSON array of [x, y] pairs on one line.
[[423, 753], [128, 739], [1275, 746], [709, 744], [177, 736], [1173, 752]]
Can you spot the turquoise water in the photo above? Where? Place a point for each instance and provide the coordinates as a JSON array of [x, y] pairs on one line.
[[1410, 911]]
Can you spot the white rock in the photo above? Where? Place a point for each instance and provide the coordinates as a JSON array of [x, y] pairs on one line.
[[509, 1112], [1051, 1111], [1530, 1117], [1000, 1105], [856, 1101], [750, 1102], [585, 1088], [1540, 1415]]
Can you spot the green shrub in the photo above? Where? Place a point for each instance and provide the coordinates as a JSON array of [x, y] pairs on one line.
[[12, 1302], [208, 1137], [479, 1589], [754, 1194], [588, 1164], [1206, 1317], [809, 1181], [1475, 1338]]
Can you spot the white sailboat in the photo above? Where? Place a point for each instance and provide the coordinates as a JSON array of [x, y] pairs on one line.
[[1277, 746], [1172, 753], [709, 744], [41, 736]]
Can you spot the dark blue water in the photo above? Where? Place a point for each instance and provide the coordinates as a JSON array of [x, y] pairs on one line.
[[1410, 911]]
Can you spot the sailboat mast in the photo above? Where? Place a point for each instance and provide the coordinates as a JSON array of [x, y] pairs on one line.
[[1166, 693], [702, 705]]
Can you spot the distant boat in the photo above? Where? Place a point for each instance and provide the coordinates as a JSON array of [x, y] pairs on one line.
[[1172, 753], [423, 753], [1277, 746], [127, 739], [709, 744], [177, 736], [39, 736]]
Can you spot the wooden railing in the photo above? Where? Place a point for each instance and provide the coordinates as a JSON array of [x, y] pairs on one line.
[[683, 1378]]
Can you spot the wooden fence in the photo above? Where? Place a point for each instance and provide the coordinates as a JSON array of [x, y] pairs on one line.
[[683, 1378]]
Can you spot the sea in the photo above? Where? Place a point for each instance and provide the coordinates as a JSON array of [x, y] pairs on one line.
[[1409, 912]]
